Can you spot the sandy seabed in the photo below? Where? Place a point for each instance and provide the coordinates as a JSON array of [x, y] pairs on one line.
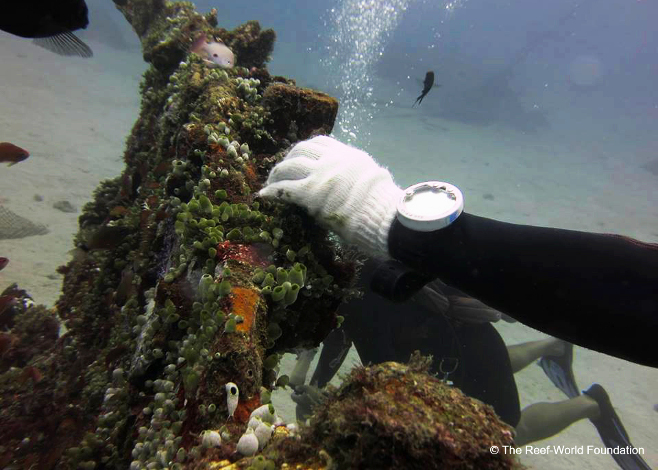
[[73, 116]]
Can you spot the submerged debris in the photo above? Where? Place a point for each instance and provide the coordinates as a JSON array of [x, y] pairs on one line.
[[13, 225], [64, 206]]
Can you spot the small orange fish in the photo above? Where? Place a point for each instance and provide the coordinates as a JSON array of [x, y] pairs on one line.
[[30, 373], [12, 154]]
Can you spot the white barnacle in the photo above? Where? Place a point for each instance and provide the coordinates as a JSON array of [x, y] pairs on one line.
[[231, 151], [263, 433], [265, 413], [254, 421], [210, 438], [232, 396], [248, 443]]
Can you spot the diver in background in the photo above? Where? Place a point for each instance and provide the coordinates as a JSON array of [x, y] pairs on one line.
[[466, 351], [597, 290]]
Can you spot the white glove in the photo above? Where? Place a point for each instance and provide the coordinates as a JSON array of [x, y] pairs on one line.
[[342, 187]]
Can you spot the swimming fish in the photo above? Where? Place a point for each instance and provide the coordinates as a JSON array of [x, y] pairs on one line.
[[12, 154], [50, 23], [427, 86], [106, 237], [3, 262], [215, 54]]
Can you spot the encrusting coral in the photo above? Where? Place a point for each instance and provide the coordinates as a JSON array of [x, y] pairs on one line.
[[184, 281], [398, 416]]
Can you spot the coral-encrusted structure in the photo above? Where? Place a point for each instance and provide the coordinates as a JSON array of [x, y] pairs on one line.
[[185, 284], [397, 416], [185, 280]]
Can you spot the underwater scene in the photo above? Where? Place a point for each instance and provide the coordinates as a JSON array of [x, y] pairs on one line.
[[348, 234]]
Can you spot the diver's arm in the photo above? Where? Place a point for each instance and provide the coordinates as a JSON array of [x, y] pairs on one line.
[[598, 291]]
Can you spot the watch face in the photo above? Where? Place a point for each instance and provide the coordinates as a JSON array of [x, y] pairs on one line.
[[430, 206]]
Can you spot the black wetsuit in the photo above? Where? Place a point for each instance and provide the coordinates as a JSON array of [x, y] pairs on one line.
[[474, 354], [595, 290]]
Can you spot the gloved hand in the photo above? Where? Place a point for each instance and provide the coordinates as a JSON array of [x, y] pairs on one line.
[[342, 187]]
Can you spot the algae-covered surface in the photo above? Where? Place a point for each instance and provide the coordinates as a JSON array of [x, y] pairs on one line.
[[398, 416]]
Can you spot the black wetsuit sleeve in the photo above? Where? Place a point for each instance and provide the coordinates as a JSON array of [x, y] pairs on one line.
[[595, 290]]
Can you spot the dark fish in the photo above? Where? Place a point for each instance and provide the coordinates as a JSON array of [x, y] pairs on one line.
[[50, 23], [3, 262], [7, 311], [106, 237], [427, 86], [12, 154]]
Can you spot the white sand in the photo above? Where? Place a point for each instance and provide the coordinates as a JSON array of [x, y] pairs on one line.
[[73, 115]]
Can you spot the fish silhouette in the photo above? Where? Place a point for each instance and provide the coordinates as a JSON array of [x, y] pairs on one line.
[[12, 154], [49, 23], [427, 86]]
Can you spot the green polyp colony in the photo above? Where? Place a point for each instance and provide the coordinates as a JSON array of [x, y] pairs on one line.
[[248, 89], [203, 220], [213, 116], [200, 224], [281, 285], [184, 361]]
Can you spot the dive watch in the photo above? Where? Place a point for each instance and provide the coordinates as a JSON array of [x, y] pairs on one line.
[[430, 206]]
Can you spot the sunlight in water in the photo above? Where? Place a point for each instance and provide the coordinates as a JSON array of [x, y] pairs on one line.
[[454, 5], [359, 30]]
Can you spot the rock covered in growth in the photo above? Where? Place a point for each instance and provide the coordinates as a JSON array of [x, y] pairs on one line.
[[250, 43], [398, 416], [183, 279], [308, 111]]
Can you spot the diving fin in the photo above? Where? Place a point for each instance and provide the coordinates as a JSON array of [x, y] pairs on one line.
[[559, 370], [612, 432]]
